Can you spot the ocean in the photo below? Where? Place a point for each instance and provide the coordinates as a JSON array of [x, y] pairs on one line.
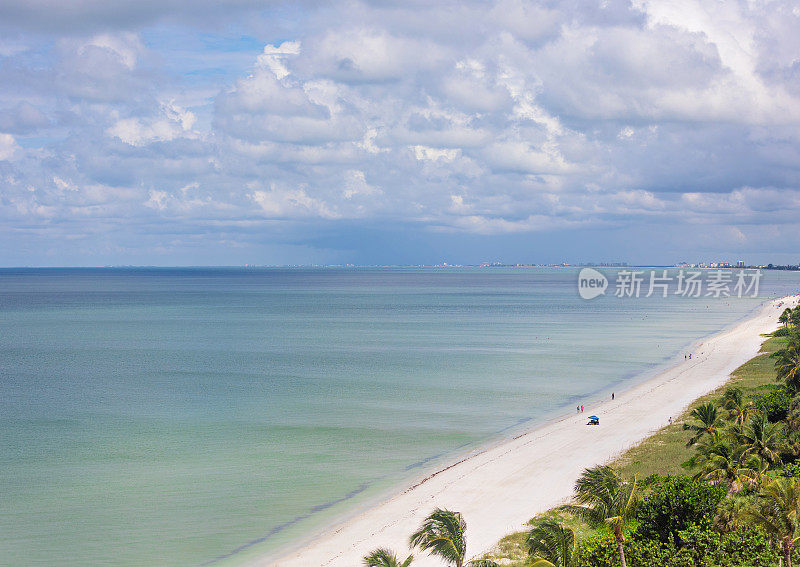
[[202, 416]]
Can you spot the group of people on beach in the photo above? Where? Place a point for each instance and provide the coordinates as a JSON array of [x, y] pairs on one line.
[[579, 409]]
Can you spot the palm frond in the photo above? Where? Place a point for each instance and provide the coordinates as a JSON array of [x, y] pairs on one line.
[[551, 542], [443, 534], [384, 557]]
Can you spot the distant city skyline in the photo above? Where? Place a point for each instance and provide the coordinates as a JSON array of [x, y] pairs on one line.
[[267, 132]]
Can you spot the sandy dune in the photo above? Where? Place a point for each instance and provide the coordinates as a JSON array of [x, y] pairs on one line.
[[499, 489]]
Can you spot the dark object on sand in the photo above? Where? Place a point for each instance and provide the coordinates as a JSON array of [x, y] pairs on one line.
[[593, 420]]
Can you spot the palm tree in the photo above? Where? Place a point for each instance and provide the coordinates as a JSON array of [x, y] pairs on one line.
[[792, 433], [730, 513], [706, 420], [723, 464], [738, 409], [604, 497], [787, 363], [704, 448], [755, 473], [552, 545], [784, 318], [779, 513], [793, 417], [762, 439], [443, 534], [383, 557]]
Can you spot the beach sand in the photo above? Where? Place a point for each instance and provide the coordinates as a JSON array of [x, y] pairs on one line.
[[500, 489]]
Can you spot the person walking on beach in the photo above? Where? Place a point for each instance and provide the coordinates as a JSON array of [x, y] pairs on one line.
[[612, 396], [578, 409], [581, 408]]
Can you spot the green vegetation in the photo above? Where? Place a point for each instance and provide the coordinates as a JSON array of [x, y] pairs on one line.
[[383, 557], [441, 534], [665, 452], [552, 545], [605, 498], [776, 513], [720, 486], [705, 421]]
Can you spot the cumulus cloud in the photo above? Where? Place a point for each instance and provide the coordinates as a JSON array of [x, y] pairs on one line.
[[356, 185], [283, 202], [105, 68], [353, 55], [173, 122], [433, 154], [273, 57], [8, 147], [545, 117], [22, 118]]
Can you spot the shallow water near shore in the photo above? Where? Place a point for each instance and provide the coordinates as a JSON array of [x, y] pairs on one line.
[[201, 416]]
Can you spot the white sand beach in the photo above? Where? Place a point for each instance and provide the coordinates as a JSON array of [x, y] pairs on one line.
[[501, 488]]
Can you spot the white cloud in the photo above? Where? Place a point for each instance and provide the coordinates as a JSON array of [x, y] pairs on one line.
[[358, 55], [356, 185], [520, 156], [542, 117], [471, 88], [186, 201], [173, 123], [527, 20], [278, 202], [638, 200], [127, 46], [157, 200], [8, 147], [273, 57], [434, 154], [64, 185], [626, 132], [457, 205]]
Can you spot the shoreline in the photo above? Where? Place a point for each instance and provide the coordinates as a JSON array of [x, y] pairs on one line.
[[496, 487]]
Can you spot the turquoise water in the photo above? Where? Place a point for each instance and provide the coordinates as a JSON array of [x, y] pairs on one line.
[[201, 416]]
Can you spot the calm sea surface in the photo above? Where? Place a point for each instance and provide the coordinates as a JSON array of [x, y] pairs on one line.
[[193, 416]]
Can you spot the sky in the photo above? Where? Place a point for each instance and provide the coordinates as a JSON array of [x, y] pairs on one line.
[[194, 132]]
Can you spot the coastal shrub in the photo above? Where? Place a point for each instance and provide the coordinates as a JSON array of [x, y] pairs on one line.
[[600, 550], [775, 403], [792, 470], [782, 332], [677, 503], [745, 547], [748, 547], [650, 480]]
